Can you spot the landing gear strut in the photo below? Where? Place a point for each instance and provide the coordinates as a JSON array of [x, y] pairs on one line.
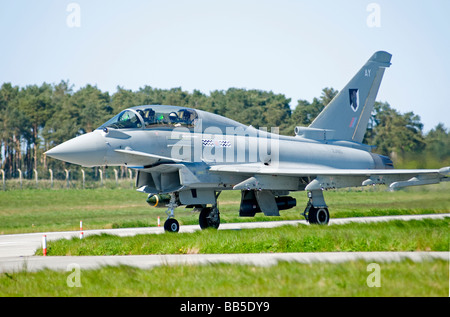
[[171, 224], [316, 211]]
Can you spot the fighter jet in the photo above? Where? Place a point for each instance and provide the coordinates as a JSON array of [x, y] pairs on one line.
[[187, 157]]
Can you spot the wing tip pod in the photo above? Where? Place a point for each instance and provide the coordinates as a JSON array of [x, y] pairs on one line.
[[445, 171]]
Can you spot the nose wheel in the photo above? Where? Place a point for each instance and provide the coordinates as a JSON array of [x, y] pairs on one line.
[[171, 225]]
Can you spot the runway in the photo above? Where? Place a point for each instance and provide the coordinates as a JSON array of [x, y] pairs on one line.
[[17, 251]]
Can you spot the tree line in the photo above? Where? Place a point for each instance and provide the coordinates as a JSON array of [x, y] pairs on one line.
[[35, 118]]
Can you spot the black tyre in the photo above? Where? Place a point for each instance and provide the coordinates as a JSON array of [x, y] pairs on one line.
[[209, 218], [171, 225], [318, 216]]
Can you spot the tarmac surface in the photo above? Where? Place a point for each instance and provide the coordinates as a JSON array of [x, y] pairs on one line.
[[17, 250]]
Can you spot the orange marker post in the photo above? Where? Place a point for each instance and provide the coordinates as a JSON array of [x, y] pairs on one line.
[[44, 245]]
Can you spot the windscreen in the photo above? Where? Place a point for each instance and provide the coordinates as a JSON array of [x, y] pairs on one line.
[[127, 119]]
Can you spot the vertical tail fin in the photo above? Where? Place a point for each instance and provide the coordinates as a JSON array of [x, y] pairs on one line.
[[347, 115]]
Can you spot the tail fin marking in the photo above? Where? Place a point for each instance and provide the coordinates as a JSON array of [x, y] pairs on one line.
[[348, 114]]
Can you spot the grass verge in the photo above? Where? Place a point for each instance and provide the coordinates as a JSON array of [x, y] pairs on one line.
[[285, 279], [413, 235]]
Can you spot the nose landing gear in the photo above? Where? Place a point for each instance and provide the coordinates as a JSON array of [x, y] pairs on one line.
[[171, 224]]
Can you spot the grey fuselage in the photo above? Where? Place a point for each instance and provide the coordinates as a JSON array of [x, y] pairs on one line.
[[179, 157]]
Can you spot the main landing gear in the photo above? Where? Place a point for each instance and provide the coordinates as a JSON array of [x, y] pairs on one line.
[[209, 217], [316, 211]]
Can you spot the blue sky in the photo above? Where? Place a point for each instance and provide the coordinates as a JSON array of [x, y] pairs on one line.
[[291, 47]]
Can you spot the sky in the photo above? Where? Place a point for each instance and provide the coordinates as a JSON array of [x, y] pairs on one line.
[[291, 47]]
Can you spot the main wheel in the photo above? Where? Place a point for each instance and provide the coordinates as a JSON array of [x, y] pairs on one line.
[[171, 225], [209, 218], [319, 216]]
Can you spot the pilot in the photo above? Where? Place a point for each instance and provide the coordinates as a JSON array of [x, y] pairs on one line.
[[173, 117], [187, 117], [149, 118]]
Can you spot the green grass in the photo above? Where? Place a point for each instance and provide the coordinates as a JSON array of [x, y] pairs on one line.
[[56, 210], [413, 235], [46, 210], [59, 210], [285, 279]]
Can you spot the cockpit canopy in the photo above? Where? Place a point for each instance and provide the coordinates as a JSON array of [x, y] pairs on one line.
[[169, 117], [148, 117]]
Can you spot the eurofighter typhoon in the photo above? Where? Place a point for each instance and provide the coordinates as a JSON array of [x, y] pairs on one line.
[[187, 157]]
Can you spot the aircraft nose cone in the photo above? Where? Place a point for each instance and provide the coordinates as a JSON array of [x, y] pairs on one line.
[[87, 150]]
